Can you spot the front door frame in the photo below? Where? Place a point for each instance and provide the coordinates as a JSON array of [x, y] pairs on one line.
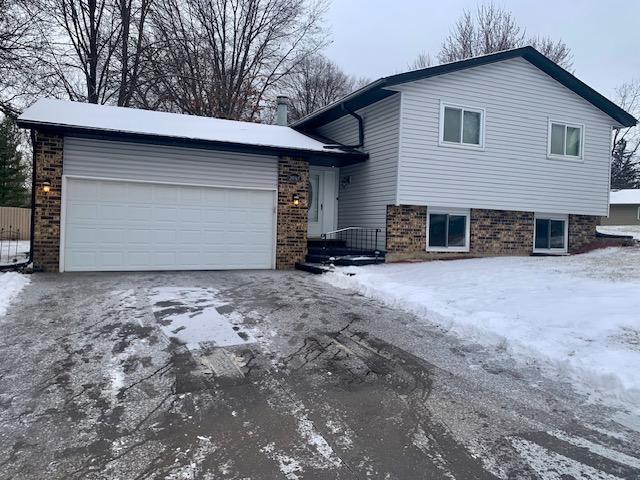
[[328, 201]]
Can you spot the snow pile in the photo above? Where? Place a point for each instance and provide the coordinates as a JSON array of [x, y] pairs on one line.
[[581, 313], [11, 283], [631, 230]]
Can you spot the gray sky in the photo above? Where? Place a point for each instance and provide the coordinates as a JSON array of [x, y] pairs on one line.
[[375, 38]]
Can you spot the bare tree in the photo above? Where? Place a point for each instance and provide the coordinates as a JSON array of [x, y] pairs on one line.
[[18, 42], [625, 164], [493, 29], [133, 15], [87, 50], [223, 57], [556, 50], [423, 60], [315, 82]]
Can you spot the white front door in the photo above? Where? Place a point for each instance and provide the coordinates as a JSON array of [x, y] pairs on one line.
[[323, 192]]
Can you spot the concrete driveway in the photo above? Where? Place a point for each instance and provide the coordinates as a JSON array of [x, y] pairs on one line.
[[269, 375]]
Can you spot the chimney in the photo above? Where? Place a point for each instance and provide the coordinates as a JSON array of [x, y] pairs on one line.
[[282, 114]]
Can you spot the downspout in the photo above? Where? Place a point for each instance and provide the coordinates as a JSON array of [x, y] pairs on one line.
[[33, 196], [360, 131]]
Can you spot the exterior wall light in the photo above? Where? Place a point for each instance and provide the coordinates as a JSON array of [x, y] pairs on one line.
[[296, 199], [46, 186]]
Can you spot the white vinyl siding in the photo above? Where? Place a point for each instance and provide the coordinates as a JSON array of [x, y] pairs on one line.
[[363, 202], [176, 165], [513, 171]]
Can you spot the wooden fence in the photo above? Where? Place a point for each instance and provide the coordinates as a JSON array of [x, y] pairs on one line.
[[16, 219]]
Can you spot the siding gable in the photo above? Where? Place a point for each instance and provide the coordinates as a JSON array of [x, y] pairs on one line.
[[513, 171]]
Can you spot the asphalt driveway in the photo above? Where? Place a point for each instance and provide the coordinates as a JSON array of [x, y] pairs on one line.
[[269, 375]]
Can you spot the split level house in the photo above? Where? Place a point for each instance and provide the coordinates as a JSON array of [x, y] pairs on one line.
[[504, 154]]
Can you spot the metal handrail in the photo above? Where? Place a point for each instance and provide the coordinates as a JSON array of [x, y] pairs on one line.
[[324, 235], [356, 239]]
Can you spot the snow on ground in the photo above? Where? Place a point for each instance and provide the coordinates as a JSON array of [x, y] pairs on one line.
[[190, 315], [631, 230], [11, 283], [14, 250], [580, 313]]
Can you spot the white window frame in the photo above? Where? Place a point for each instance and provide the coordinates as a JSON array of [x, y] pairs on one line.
[[566, 124], [468, 108], [638, 213], [552, 216], [451, 211]]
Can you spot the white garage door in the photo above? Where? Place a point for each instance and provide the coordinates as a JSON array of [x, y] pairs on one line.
[[118, 225]]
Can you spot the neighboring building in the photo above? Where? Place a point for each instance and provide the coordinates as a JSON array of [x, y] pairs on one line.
[[624, 208], [505, 154]]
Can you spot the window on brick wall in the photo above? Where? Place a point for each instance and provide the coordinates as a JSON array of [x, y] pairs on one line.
[[550, 233], [448, 230]]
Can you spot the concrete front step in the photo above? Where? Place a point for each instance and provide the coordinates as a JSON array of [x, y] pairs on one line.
[[311, 267], [345, 260]]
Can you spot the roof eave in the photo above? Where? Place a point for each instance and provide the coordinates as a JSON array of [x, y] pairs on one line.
[[528, 53], [332, 157]]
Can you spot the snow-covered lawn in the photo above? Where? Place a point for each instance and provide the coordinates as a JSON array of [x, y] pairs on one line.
[[632, 230], [580, 313], [11, 283]]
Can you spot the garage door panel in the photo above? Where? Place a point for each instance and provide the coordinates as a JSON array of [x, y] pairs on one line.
[[110, 192], [83, 210], [112, 225]]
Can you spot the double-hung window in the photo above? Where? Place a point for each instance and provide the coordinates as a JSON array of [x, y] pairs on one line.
[[447, 230], [550, 233], [565, 140], [461, 126]]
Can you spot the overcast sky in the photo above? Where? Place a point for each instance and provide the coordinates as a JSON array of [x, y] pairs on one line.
[[375, 38]]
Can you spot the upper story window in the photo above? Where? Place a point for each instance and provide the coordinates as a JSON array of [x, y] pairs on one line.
[[461, 126], [565, 139]]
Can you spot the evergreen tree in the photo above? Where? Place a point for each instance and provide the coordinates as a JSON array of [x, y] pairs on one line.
[[13, 170], [625, 171]]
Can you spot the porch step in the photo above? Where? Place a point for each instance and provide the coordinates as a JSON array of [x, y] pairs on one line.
[[343, 251], [345, 260], [329, 243], [311, 267]]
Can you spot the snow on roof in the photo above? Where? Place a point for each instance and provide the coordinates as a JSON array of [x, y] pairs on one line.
[[147, 122], [625, 197]]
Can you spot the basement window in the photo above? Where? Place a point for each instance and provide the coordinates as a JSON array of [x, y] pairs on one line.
[[448, 230], [550, 234]]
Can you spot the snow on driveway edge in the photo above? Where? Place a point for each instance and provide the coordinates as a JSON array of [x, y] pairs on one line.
[[437, 310], [11, 284]]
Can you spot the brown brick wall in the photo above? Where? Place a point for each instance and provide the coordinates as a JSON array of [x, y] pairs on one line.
[[406, 229], [582, 231], [293, 178], [501, 232], [492, 232], [46, 234]]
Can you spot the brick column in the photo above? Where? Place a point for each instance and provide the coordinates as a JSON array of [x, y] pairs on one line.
[[582, 231], [46, 232], [406, 229], [293, 179]]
